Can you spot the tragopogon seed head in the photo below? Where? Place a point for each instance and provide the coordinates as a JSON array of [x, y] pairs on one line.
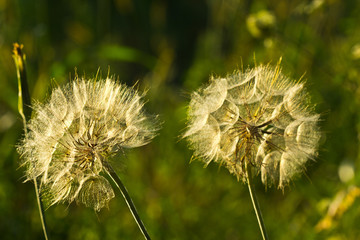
[[72, 136], [258, 118]]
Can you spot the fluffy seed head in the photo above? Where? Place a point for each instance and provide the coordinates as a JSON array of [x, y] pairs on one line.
[[256, 118], [72, 136]]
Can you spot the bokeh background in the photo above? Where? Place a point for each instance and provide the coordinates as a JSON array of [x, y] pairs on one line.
[[170, 48]]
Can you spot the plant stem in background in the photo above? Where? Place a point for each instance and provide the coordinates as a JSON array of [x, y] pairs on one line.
[[24, 107], [255, 203], [24, 103], [129, 202]]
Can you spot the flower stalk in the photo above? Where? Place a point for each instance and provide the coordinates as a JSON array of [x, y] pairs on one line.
[[24, 107], [255, 203], [116, 179]]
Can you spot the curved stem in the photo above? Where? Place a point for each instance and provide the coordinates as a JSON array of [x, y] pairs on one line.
[[256, 203], [24, 107], [129, 202]]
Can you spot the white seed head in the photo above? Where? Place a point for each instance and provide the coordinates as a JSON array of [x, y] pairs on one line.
[[258, 118], [73, 135]]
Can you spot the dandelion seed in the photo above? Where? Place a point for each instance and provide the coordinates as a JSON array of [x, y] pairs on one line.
[[73, 136], [258, 118]]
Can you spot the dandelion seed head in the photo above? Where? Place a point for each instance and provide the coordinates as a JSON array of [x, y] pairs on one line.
[[258, 118], [72, 137]]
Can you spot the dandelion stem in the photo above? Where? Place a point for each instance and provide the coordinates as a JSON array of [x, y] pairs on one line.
[[129, 202], [256, 203], [41, 209], [24, 107]]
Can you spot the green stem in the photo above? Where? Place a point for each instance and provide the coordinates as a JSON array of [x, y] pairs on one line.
[[24, 107], [129, 202], [41, 209], [256, 203]]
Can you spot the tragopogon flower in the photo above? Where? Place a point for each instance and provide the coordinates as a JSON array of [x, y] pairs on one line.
[[258, 118], [73, 135]]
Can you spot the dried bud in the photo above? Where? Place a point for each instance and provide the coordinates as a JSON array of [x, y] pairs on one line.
[[258, 118], [73, 135]]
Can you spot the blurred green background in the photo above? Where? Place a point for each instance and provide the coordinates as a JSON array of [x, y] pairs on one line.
[[171, 48]]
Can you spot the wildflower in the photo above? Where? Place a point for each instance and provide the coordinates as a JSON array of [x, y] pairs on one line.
[[258, 119], [74, 135]]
